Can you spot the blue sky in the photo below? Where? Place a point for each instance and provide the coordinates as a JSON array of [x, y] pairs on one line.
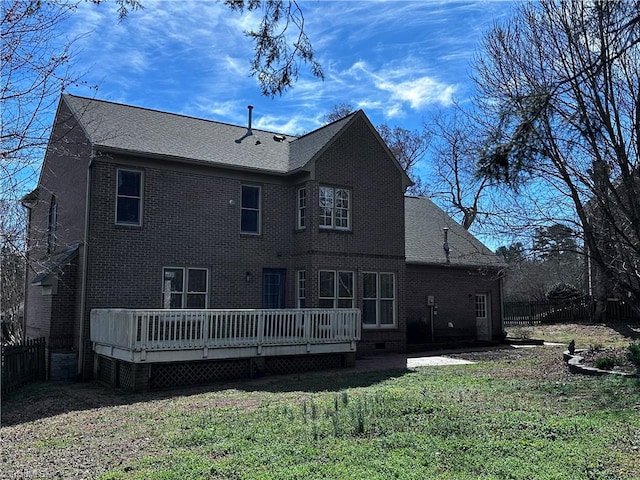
[[400, 61]]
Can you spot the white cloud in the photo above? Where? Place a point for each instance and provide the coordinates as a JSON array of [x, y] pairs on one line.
[[420, 92]]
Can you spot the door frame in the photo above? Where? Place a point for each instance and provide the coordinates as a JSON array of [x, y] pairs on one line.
[[483, 323], [280, 302]]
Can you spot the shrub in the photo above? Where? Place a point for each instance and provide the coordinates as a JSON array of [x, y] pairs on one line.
[[608, 362], [634, 354], [562, 291], [595, 348]]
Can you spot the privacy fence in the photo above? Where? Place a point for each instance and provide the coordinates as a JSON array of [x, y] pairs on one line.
[[533, 313], [22, 364]]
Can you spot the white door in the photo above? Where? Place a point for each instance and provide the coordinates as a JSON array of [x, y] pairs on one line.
[[483, 320]]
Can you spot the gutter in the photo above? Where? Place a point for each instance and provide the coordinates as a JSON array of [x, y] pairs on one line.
[[85, 256], [27, 206]]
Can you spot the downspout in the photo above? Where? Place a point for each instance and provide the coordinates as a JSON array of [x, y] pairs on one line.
[[85, 256], [501, 288], [26, 272]]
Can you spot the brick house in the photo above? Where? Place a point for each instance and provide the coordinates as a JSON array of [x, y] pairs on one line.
[[138, 209]]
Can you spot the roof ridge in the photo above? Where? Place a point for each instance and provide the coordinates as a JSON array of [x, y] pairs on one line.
[[181, 115], [327, 125]]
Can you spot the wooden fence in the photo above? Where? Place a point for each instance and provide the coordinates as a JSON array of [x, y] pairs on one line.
[[22, 364], [534, 313]]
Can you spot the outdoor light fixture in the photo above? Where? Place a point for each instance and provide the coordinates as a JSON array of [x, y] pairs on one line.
[[248, 277]]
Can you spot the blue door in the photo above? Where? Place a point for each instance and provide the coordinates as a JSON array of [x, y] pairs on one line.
[[273, 287]]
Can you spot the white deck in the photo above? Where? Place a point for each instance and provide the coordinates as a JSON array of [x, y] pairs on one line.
[[186, 335]]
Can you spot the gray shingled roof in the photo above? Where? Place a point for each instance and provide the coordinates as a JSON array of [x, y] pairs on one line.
[[424, 238], [56, 263], [129, 129], [139, 131]]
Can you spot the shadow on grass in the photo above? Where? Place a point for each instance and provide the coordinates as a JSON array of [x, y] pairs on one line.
[[47, 399], [630, 330]]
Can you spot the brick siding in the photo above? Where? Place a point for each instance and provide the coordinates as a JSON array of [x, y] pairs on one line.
[[454, 290]]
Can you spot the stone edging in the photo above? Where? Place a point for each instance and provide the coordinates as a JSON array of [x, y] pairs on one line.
[[576, 366]]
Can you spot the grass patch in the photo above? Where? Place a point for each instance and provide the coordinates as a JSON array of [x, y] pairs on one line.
[[515, 414], [426, 424]]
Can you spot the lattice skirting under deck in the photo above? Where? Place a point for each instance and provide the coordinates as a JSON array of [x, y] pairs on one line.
[[129, 376]]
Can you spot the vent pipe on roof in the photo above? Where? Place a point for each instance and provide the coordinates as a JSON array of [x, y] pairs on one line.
[[249, 131], [445, 245]]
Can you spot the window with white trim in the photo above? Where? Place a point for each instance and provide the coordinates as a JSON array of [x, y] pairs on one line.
[[129, 197], [185, 287], [336, 289], [53, 225], [302, 208], [335, 208], [301, 288], [481, 305], [379, 299], [250, 216]]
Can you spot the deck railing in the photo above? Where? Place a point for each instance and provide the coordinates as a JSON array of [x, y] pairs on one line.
[[166, 330]]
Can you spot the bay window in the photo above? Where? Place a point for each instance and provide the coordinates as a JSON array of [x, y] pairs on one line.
[[335, 208], [302, 208], [336, 289]]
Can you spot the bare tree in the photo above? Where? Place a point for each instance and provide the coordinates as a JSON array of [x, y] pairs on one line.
[[559, 88], [338, 111], [36, 69], [455, 155], [277, 60], [409, 147]]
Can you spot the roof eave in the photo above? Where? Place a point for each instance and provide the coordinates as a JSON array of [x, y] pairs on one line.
[[187, 160], [455, 265]]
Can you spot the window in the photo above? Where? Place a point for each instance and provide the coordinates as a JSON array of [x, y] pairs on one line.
[[379, 299], [184, 287], [336, 289], [129, 198], [302, 288], [481, 306], [302, 207], [335, 208], [52, 225], [251, 204]]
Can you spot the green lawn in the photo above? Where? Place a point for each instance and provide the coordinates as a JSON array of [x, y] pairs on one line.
[[515, 414], [448, 423]]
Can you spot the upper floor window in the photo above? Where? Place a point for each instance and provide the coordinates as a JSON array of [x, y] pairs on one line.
[[129, 198], [335, 208], [251, 207], [336, 289], [52, 226], [302, 207], [184, 287], [378, 299]]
